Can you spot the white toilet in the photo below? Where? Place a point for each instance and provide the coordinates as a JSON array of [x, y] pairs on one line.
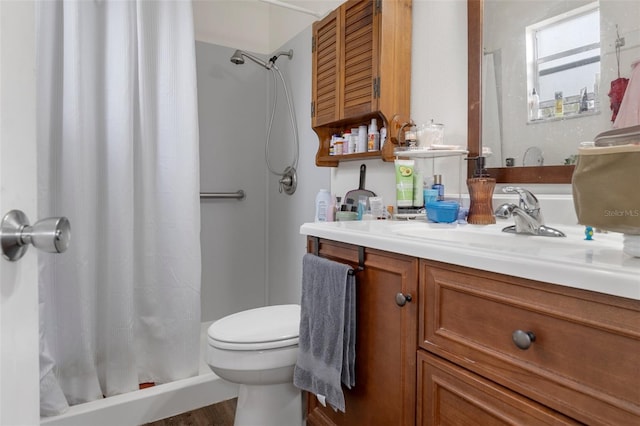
[[258, 349]]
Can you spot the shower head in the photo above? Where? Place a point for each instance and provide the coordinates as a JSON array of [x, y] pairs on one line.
[[237, 58], [239, 55]]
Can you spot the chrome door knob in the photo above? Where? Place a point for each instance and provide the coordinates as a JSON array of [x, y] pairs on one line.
[[51, 235], [523, 339]]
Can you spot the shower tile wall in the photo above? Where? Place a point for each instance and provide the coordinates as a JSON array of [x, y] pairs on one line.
[[286, 213], [232, 110]]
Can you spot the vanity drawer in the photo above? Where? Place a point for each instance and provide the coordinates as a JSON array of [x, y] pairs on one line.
[[585, 360], [451, 395]]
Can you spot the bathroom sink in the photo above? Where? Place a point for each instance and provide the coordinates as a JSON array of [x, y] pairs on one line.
[[491, 237]]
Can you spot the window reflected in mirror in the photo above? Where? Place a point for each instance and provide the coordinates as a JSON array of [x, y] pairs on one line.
[[563, 65]]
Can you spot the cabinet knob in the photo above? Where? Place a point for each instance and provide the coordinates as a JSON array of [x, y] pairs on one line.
[[523, 339], [402, 299]]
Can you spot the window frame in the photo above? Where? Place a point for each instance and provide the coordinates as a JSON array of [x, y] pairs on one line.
[[534, 61]]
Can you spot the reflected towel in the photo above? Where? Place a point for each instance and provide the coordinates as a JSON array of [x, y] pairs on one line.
[[326, 354], [629, 113]]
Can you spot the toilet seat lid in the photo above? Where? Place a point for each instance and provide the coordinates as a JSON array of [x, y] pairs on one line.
[[274, 326]]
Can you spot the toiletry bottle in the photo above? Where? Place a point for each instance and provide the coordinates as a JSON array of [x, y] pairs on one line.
[[480, 194], [418, 188], [323, 199], [373, 136], [534, 106], [362, 139], [584, 101], [362, 206], [346, 139], [437, 184], [337, 146], [404, 182], [331, 210], [353, 142], [559, 108]]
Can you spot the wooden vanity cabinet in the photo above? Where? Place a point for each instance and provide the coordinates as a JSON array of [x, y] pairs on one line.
[[386, 340], [361, 69], [583, 364], [449, 356]]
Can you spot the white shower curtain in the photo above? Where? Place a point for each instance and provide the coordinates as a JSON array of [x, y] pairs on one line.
[[118, 155]]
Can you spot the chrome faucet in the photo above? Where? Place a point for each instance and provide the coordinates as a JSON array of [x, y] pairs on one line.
[[526, 215]]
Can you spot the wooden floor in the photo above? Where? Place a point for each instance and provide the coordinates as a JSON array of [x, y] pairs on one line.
[[221, 414]]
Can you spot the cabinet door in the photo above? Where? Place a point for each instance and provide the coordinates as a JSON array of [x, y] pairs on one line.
[[325, 60], [450, 395], [359, 58], [386, 341]]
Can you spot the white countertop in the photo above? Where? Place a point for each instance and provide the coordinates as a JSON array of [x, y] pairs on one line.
[[597, 265]]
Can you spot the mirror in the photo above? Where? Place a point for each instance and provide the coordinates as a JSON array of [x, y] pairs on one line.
[[543, 135]]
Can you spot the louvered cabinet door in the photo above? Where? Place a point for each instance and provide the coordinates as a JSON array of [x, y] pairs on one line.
[[359, 58], [326, 71]]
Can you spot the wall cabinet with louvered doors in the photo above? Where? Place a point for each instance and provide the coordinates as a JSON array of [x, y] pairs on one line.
[[361, 69]]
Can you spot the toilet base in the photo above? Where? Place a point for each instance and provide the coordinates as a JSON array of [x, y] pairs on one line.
[[269, 405]]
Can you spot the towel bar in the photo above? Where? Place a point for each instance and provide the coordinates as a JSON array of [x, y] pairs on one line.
[[316, 251]]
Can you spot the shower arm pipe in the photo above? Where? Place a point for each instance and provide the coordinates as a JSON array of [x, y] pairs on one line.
[[293, 7], [256, 60]]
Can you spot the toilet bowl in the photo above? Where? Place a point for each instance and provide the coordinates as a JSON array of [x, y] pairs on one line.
[[257, 349]]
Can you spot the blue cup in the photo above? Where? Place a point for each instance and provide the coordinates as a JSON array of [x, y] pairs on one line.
[[430, 195]]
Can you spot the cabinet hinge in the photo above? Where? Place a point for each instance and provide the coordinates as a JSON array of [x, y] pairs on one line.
[[313, 109], [376, 87], [313, 44], [378, 7]]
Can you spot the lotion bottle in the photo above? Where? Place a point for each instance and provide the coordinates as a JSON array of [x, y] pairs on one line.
[[323, 200]]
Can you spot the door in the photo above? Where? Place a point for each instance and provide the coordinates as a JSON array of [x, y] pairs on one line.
[[19, 371]]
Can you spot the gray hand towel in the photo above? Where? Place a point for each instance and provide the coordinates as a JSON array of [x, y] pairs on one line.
[[327, 330]]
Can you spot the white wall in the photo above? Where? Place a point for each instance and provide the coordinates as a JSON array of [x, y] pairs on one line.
[[254, 25], [233, 23]]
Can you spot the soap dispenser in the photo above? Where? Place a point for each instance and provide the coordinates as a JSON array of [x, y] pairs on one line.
[[480, 193]]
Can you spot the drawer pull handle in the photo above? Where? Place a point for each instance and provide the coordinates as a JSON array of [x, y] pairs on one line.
[[523, 339], [402, 299]]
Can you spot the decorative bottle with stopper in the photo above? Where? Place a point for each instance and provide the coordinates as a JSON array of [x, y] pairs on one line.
[[481, 188]]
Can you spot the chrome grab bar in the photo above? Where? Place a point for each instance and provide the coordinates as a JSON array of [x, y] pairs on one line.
[[238, 195]]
